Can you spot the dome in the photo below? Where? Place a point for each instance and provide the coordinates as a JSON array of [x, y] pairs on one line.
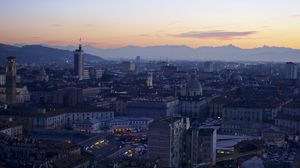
[[193, 88], [194, 85]]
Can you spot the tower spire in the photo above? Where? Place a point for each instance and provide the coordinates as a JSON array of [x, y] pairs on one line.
[[80, 44]]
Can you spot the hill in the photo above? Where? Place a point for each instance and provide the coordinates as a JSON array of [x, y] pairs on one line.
[[40, 54]]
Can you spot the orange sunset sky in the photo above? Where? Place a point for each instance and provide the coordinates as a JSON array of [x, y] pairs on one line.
[[117, 23]]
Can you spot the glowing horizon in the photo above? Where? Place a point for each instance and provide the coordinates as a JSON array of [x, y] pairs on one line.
[[112, 24]]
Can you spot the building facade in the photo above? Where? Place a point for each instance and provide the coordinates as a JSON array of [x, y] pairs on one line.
[[129, 124], [12, 129], [165, 141], [200, 146], [289, 118], [66, 117], [246, 118], [157, 107]]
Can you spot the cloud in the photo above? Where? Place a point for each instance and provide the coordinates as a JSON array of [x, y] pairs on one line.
[[216, 34], [213, 27]]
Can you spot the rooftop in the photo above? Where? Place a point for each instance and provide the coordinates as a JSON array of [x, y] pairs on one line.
[[206, 131], [254, 104], [8, 124], [71, 161], [293, 105], [155, 99]]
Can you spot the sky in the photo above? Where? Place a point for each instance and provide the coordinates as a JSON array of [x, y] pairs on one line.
[[118, 23]]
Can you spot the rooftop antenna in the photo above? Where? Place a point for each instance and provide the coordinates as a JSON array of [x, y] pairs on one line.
[[80, 43]]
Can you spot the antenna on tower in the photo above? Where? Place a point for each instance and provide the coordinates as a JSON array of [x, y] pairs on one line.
[[80, 43]]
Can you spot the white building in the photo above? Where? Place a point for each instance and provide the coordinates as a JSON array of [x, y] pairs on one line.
[[63, 117], [12, 129]]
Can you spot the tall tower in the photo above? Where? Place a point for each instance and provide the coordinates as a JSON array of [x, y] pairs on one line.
[[79, 62], [150, 80], [11, 72]]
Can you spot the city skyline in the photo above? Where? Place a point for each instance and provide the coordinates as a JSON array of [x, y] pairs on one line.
[[149, 83], [111, 24]]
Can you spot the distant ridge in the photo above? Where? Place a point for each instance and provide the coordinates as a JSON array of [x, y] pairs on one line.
[[182, 52], [39, 54]]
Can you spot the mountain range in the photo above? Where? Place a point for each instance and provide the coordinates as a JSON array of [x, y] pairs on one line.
[[39, 54], [44, 53], [181, 52]]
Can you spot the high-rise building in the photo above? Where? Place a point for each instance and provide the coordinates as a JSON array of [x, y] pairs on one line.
[[11, 72], [200, 146], [79, 62], [165, 141], [290, 70]]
